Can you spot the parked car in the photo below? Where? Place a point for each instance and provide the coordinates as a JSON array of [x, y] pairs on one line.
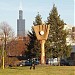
[[36, 61], [28, 63], [64, 62], [22, 63], [52, 61]]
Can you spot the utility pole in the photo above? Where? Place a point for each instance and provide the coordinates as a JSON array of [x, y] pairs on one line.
[[2, 40], [3, 54]]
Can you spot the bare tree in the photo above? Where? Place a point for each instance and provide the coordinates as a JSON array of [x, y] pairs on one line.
[[6, 32]]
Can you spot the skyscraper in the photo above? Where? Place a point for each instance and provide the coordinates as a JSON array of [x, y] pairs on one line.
[[20, 23]]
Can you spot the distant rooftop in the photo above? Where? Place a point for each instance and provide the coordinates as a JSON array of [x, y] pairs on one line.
[[68, 27]]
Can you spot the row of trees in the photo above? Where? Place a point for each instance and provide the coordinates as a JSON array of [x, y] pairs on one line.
[[13, 46], [55, 46], [6, 33]]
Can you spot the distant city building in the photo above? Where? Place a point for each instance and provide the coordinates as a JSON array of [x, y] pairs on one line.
[[20, 24], [68, 28], [73, 33], [70, 40]]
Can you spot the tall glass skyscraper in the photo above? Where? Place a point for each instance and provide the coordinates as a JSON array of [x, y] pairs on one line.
[[20, 24]]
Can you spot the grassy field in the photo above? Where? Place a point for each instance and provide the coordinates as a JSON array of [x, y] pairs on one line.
[[40, 70]]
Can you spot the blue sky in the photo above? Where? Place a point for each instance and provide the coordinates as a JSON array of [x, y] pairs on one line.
[[9, 11]]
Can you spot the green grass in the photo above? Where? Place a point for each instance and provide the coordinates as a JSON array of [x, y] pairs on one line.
[[40, 70]]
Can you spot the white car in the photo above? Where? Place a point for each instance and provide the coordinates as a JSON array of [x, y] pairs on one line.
[[52, 61]]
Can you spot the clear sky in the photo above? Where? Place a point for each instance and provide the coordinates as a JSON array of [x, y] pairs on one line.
[[9, 11]]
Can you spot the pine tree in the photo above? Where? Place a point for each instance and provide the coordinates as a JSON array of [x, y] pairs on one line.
[[34, 46], [38, 20], [57, 35]]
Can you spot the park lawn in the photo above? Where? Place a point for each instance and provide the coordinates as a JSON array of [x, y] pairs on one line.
[[40, 70]]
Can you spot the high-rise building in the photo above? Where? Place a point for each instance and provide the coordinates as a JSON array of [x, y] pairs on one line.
[[20, 24]]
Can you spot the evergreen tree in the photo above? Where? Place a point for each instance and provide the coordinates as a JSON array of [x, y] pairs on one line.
[[57, 46], [34, 46], [38, 20]]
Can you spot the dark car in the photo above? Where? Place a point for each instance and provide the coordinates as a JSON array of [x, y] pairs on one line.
[[36, 61], [28, 63], [64, 62]]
